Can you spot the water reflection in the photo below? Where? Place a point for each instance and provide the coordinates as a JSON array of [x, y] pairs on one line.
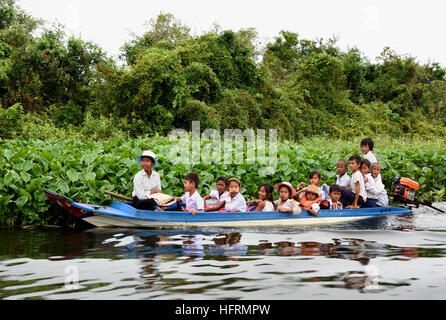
[[217, 263]]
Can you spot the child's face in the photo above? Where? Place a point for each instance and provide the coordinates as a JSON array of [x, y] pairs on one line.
[[353, 165], [335, 195], [262, 193], [146, 163], [376, 170], [340, 168], [365, 149], [311, 196], [315, 180], [364, 169], [233, 187], [188, 185], [284, 193], [221, 186]]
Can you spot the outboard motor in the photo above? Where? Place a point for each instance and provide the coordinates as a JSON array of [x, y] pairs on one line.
[[404, 189]]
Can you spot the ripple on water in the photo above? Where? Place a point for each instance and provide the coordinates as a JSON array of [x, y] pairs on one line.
[[396, 257]]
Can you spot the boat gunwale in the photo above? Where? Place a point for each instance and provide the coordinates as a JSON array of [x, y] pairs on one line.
[[181, 216]]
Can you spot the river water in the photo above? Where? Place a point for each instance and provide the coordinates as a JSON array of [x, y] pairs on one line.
[[401, 257]]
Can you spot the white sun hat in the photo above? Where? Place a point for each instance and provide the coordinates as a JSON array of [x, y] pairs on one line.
[[149, 154]]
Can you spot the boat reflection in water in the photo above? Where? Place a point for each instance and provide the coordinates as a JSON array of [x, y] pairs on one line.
[[162, 253]]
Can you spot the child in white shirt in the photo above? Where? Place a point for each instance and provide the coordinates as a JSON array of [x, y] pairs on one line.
[[219, 194], [333, 202], [342, 178], [194, 203], [235, 201], [265, 202], [370, 186], [355, 196], [367, 148], [383, 199], [286, 203]]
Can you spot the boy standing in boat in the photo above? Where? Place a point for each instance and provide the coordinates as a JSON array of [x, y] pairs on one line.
[[146, 182]]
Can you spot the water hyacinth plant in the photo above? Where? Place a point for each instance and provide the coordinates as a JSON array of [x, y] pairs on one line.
[[83, 170]]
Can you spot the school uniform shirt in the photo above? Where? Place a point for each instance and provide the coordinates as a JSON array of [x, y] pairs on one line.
[[322, 194], [344, 180], [371, 157], [289, 204], [193, 201], [215, 194], [143, 184], [335, 206], [370, 187], [357, 177], [383, 199], [238, 203], [269, 206]]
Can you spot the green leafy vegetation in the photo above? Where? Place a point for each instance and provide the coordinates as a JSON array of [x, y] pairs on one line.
[[83, 170], [73, 120]]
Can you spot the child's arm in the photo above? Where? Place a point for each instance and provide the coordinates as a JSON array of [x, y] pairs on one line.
[[355, 202], [313, 212], [194, 211], [301, 185], [207, 197], [371, 187], [261, 205], [299, 192]]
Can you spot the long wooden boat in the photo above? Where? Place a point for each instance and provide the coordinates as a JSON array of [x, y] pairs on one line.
[[121, 214]]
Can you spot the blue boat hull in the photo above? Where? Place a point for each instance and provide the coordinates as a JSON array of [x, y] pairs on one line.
[[121, 214]]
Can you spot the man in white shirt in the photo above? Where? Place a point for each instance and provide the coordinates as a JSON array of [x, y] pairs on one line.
[[146, 182]]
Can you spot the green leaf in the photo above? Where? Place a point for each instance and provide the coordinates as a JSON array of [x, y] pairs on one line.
[[25, 176], [64, 187], [8, 178], [27, 165], [89, 158], [73, 175], [21, 201], [90, 176]]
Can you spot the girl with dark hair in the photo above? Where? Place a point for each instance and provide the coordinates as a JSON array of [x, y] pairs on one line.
[[265, 201]]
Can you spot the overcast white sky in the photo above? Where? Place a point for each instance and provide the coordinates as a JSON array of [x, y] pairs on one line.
[[407, 26]]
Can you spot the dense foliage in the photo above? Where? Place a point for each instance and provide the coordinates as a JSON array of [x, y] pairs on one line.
[[168, 77], [59, 87], [83, 170]]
